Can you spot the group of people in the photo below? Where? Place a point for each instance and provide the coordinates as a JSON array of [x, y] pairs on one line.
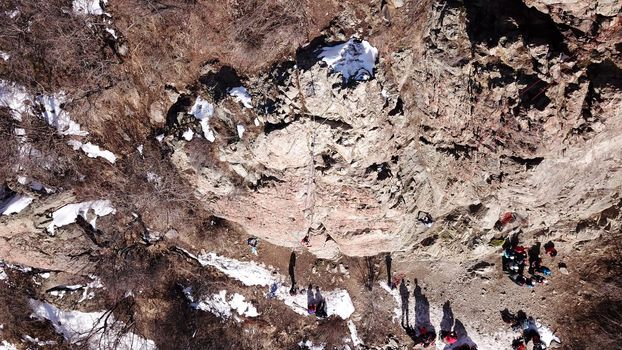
[[516, 258]]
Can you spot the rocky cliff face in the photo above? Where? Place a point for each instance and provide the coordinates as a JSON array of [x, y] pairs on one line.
[[481, 116], [205, 123]]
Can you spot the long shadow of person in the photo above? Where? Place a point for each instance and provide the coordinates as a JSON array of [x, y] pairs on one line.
[[388, 260], [464, 341], [447, 322], [422, 309], [292, 270], [405, 294]]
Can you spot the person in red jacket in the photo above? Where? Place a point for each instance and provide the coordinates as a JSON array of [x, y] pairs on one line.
[[449, 337], [549, 248], [518, 344]]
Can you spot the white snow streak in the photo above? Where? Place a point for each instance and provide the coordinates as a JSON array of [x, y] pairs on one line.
[[56, 117], [356, 341], [15, 204], [241, 130], [93, 151], [69, 213], [241, 95], [203, 110]]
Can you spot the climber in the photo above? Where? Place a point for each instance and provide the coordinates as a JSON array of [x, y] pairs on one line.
[[273, 288], [518, 344], [311, 305], [305, 241], [425, 218], [518, 279], [544, 270], [320, 310], [504, 219], [253, 242], [449, 337], [426, 337], [549, 248], [396, 280]]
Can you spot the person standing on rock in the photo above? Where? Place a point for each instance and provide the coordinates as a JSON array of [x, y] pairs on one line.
[[311, 305]]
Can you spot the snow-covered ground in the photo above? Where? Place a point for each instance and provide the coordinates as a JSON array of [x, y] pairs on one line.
[[78, 327], [87, 289], [354, 59], [88, 7], [240, 94], [241, 130], [15, 98], [221, 306], [203, 111], [356, 341], [56, 117], [69, 213], [93, 151], [15, 204], [338, 301], [5, 345]]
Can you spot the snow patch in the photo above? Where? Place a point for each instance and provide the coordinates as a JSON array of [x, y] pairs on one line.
[[140, 149], [256, 122], [5, 345], [188, 134], [12, 14], [309, 345], [241, 130], [69, 213], [112, 32], [38, 342], [15, 98], [354, 59], [219, 306], [338, 301], [240, 94], [88, 7], [546, 334], [203, 110], [356, 341], [15, 204], [78, 327], [93, 151], [56, 117], [4, 55]]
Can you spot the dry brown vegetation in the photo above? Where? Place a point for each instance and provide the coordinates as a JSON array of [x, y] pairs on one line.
[[51, 48]]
